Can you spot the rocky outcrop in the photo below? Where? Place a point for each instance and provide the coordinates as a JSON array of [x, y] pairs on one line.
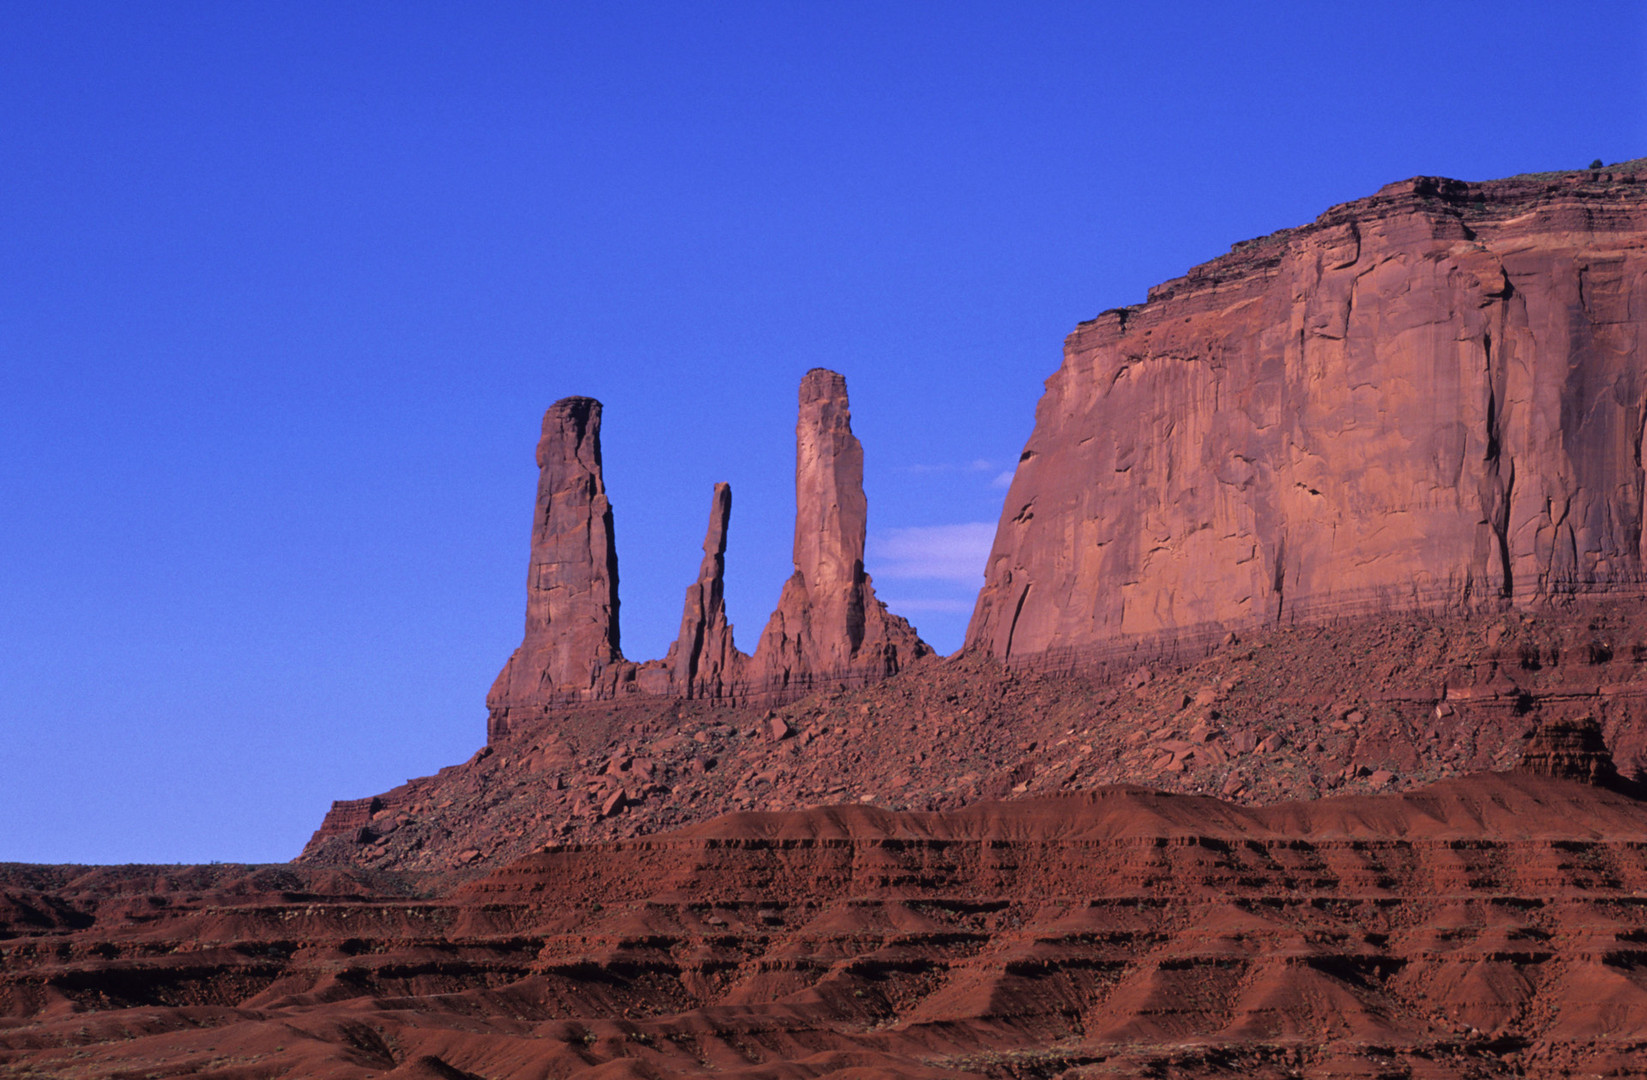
[[1430, 398], [1569, 750], [828, 626], [703, 659], [571, 643], [828, 629]]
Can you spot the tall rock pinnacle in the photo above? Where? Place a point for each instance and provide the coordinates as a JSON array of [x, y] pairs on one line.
[[830, 516], [702, 661], [572, 580], [828, 625], [828, 629]]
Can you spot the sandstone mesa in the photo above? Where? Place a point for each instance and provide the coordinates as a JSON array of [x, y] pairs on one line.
[[1430, 398], [1450, 462]]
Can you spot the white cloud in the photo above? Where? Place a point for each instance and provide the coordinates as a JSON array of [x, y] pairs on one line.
[[900, 605], [947, 468], [932, 552], [1002, 480]]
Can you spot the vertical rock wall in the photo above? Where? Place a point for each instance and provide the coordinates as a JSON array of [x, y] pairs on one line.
[[1432, 397]]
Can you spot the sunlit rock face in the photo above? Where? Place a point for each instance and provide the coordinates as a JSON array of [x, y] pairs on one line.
[[1432, 397], [828, 626]]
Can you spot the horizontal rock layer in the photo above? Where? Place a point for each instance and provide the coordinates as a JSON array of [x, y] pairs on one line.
[[1486, 925], [1432, 397]]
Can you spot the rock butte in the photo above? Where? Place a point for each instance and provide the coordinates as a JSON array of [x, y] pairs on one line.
[[828, 631], [1430, 398]]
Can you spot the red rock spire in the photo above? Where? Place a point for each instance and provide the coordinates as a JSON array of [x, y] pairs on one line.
[[572, 580], [702, 661], [828, 626]]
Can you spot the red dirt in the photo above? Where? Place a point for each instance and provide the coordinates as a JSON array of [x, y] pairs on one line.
[[1487, 925]]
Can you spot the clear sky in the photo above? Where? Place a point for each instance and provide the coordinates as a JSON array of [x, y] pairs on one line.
[[285, 290]]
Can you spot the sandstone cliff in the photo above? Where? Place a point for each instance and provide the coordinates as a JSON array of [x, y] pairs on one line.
[[828, 629], [1433, 397]]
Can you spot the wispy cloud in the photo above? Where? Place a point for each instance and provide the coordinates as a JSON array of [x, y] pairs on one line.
[[955, 553], [975, 465], [1002, 480], [917, 605]]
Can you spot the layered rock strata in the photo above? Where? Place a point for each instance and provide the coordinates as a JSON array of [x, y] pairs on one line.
[[828, 629], [1430, 398], [1490, 925], [1570, 750]]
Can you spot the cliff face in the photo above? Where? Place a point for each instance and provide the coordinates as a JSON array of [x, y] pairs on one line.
[[1432, 397], [828, 629]]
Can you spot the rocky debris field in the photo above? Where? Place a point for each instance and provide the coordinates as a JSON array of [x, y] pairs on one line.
[[1355, 707]]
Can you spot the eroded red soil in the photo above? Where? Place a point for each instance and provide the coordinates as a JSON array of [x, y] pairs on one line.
[[1494, 924]]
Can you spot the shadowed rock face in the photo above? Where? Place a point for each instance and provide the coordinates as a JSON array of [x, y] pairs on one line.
[[1432, 397], [572, 581], [703, 657], [1570, 750]]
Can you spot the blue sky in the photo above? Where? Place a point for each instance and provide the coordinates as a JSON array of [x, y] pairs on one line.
[[285, 289]]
